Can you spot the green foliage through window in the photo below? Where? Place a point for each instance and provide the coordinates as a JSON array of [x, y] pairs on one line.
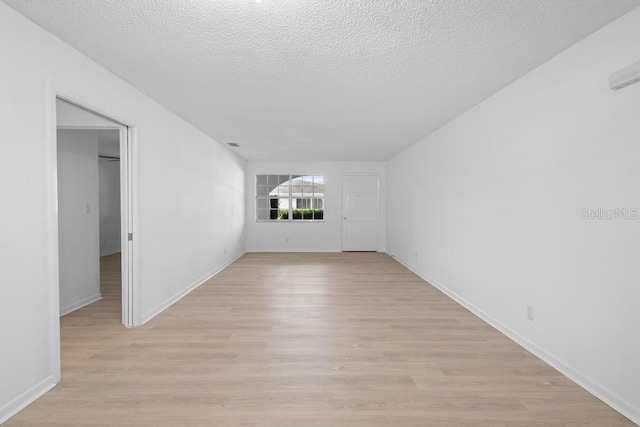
[[315, 214]]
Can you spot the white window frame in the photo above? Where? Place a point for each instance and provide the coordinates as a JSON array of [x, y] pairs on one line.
[[291, 199]]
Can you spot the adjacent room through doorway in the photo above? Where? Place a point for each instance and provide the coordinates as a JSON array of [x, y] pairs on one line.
[[90, 212], [88, 217]]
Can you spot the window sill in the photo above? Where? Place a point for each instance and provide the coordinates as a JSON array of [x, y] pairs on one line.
[[292, 221]]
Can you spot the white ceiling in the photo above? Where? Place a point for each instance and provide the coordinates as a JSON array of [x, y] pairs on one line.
[[321, 79]]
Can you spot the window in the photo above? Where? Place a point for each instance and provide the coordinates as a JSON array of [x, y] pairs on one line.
[[308, 203], [289, 197]]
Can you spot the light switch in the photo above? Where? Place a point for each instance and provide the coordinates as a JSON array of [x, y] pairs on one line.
[[87, 208]]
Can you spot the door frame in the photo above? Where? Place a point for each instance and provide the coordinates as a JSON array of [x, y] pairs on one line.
[[343, 213], [129, 216]]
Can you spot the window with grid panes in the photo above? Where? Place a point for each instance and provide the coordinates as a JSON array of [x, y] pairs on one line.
[[289, 198]]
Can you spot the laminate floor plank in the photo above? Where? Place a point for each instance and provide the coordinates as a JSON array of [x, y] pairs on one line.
[[276, 339]]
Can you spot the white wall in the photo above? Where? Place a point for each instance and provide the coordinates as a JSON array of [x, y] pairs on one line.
[[191, 198], [494, 212], [78, 219], [109, 172], [305, 236]]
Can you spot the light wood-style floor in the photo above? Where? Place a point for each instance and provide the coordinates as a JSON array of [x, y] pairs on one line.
[[347, 339]]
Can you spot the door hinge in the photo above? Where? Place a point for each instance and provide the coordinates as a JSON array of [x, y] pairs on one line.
[[130, 237]]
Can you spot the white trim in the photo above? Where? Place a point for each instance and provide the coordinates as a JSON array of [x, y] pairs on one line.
[[614, 401], [289, 221], [53, 250], [86, 126], [26, 398], [107, 253], [125, 226], [82, 303], [258, 250], [134, 208], [178, 296], [76, 99]]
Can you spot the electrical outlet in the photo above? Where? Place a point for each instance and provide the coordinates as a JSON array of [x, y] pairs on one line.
[[530, 313], [87, 208], [225, 251], [415, 255], [287, 240]]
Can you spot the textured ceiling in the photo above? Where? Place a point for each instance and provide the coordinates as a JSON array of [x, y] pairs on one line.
[[320, 79]]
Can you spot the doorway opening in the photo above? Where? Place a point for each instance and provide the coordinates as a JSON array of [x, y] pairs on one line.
[[110, 214], [94, 215]]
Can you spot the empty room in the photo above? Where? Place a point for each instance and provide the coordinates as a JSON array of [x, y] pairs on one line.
[[320, 213]]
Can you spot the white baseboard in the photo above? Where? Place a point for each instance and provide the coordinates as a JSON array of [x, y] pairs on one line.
[[82, 303], [301, 250], [24, 399], [621, 405], [115, 251], [169, 302], [308, 250]]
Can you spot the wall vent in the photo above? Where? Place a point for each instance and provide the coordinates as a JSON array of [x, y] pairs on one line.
[[625, 77]]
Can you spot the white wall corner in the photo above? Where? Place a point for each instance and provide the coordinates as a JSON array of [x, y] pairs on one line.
[[79, 304]]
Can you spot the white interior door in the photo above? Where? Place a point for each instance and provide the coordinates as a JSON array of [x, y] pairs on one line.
[[360, 213]]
